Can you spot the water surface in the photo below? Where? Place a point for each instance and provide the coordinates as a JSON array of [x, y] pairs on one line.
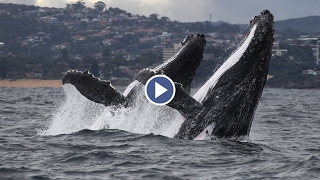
[[284, 142]]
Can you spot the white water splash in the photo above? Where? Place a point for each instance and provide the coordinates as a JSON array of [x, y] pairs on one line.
[[78, 113]]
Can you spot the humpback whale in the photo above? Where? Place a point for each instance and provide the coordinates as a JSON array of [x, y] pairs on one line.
[[180, 68], [224, 106]]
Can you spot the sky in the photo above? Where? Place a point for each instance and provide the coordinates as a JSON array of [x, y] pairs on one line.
[[233, 11]]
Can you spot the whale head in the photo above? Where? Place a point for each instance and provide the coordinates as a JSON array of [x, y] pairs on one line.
[[239, 84], [230, 97]]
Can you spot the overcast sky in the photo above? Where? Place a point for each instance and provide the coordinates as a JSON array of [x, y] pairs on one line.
[[233, 11]]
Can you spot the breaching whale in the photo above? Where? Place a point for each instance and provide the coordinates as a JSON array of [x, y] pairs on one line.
[[180, 68], [224, 106]]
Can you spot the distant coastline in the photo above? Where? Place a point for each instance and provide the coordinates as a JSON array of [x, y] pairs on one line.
[[30, 83]]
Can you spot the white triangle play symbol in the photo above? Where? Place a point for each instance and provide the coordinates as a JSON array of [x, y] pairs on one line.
[[159, 90]]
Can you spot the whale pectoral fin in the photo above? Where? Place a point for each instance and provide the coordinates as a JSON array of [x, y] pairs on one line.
[[94, 89], [182, 101], [144, 76], [185, 104]]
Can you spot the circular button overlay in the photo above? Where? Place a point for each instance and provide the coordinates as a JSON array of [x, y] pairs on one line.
[[160, 89]]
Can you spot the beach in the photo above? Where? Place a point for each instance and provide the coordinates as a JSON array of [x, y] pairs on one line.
[[30, 83]]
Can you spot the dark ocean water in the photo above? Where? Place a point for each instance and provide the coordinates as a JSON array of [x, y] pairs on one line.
[[284, 144]]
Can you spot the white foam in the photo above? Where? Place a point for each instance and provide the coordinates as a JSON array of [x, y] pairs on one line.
[[142, 118], [78, 113]]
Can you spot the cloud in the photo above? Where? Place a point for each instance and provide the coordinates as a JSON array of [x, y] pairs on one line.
[[192, 11], [55, 3], [28, 2]]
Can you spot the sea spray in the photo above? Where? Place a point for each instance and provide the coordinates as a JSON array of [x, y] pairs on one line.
[[77, 113], [74, 114], [143, 117]]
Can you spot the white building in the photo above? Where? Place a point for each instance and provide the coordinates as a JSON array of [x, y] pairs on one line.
[[276, 51], [306, 41], [170, 51]]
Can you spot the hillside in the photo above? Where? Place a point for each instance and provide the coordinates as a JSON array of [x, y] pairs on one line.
[[43, 43], [309, 24]]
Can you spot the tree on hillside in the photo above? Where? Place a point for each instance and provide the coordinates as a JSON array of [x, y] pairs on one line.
[[95, 68], [79, 5], [106, 52], [164, 18], [117, 10], [3, 68], [68, 6], [153, 17], [208, 27], [100, 5], [65, 53]]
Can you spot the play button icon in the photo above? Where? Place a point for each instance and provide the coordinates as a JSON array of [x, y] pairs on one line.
[[160, 89]]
